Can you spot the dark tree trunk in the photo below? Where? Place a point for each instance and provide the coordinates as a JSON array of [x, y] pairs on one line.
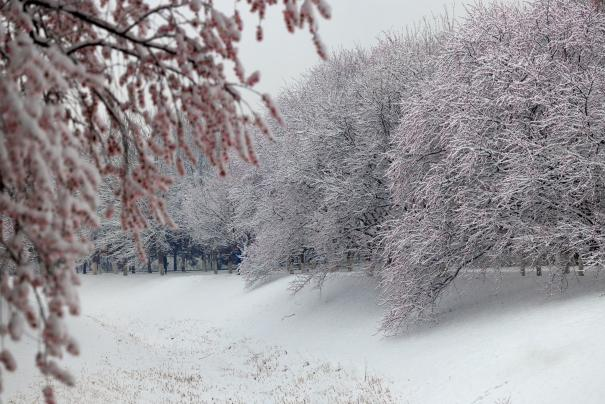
[[164, 263]]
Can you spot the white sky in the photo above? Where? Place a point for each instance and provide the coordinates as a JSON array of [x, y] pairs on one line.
[[282, 56]]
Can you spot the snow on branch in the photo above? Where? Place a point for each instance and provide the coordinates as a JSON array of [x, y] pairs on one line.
[[80, 83]]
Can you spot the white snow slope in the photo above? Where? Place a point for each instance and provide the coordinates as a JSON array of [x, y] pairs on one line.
[[201, 338]]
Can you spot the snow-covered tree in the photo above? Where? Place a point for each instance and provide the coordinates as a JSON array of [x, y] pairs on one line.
[[76, 78], [325, 195], [281, 210], [499, 157]]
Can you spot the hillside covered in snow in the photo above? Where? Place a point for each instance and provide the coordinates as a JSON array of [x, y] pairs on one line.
[[501, 338]]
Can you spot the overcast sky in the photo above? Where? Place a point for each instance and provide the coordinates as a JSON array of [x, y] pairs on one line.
[[282, 57]]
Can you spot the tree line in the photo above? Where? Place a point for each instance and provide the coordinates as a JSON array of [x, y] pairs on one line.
[[447, 147]]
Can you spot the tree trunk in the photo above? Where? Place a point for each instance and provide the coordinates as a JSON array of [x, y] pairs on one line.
[[174, 259], [164, 264]]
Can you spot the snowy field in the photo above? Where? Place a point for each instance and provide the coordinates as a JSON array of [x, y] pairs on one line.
[[189, 338]]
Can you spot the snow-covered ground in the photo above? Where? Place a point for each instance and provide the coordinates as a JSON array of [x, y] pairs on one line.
[[201, 338]]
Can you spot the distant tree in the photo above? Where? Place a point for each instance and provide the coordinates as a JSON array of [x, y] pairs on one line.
[[77, 79]]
